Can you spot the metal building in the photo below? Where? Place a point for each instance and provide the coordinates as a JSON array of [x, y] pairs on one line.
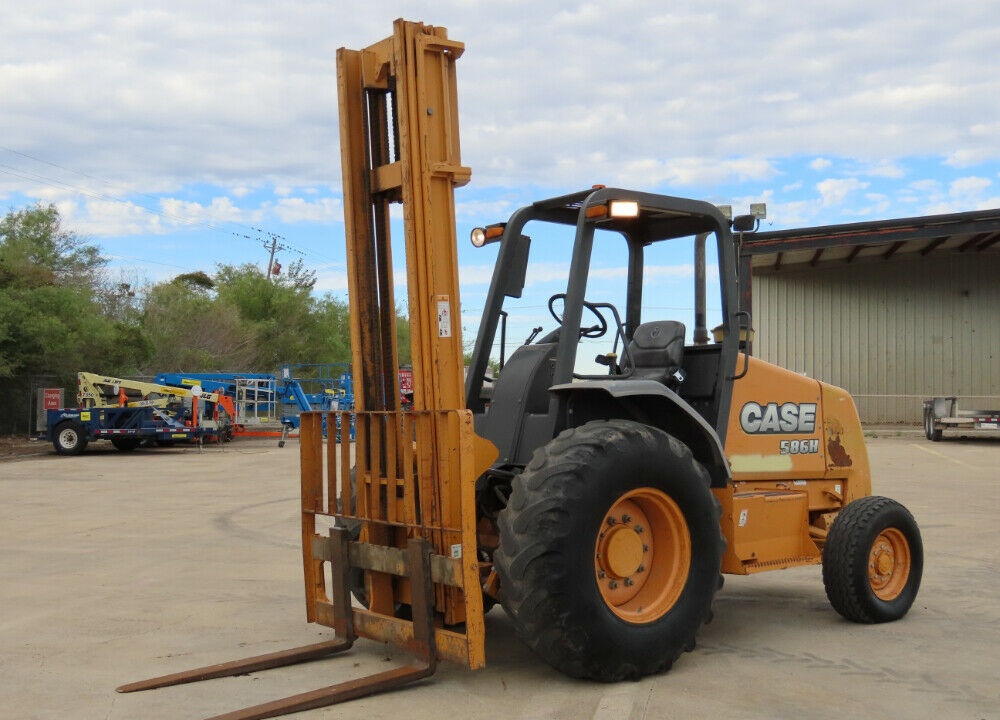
[[894, 311]]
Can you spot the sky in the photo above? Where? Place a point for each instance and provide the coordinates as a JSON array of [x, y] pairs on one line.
[[176, 136]]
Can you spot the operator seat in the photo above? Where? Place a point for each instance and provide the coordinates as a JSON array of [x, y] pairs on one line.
[[656, 352]]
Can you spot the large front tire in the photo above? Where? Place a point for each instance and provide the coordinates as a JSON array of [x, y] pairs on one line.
[[873, 560], [610, 550], [69, 438]]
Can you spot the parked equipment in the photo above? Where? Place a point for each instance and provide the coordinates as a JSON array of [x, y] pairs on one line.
[[253, 394], [127, 412], [598, 509], [309, 387], [943, 413]]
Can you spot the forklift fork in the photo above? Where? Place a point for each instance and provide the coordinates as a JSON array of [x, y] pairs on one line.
[[418, 556]]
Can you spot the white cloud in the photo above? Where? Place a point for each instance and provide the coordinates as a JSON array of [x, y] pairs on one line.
[[799, 213], [969, 186], [323, 210], [241, 98], [101, 218], [244, 93], [331, 279], [879, 206], [884, 169], [185, 212], [834, 191]]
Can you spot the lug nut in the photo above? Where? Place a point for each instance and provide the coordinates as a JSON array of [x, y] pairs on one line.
[[640, 569], [626, 518], [628, 582], [600, 574], [613, 585], [612, 521], [638, 529]]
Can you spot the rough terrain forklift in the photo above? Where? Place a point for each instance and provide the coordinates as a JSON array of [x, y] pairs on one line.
[[619, 496], [598, 502]]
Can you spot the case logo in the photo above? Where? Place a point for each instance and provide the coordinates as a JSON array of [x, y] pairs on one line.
[[773, 419]]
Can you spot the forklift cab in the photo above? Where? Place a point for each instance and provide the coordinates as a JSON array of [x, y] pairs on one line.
[[613, 346]]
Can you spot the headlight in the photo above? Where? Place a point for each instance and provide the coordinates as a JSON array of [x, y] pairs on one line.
[[489, 234]]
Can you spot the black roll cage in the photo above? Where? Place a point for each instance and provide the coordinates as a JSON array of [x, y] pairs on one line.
[[661, 217]]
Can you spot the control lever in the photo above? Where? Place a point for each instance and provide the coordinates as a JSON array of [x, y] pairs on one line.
[[610, 360]]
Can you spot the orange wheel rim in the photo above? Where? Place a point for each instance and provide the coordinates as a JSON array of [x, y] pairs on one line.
[[889, 564], [642, 555]]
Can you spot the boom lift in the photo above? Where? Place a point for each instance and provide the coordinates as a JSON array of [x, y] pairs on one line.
[[598, 508]]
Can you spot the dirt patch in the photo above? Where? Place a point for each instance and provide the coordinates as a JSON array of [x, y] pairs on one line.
[[13, 447]]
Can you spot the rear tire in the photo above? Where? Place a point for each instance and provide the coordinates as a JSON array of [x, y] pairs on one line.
[[873, 560], [932, 433], [69, 438], [126, 444], [577, 543]]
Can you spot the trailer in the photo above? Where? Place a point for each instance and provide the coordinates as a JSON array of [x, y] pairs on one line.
[[129, 412], [71, 429], [943, 413]]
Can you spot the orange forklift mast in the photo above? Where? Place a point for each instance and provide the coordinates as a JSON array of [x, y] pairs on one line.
[[395, 524]]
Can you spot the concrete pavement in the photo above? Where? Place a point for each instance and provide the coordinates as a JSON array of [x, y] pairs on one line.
[[119, 566]]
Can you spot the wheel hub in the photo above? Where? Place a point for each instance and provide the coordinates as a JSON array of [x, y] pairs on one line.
[[621, 552], [642, 555], [889, 564]]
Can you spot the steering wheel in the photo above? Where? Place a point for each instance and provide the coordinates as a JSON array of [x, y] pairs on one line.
[[594, 331]]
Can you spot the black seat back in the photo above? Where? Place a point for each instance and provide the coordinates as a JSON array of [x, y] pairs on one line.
[[656, 351]]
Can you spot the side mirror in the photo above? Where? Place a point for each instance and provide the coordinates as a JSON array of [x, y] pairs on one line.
[[513, 284]]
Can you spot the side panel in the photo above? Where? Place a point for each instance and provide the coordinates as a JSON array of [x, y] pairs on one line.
[[775, 425], [798, 456], [847, 455]]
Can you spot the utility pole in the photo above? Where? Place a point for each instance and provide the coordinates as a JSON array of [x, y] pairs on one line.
[[272, 242], [272, 245]]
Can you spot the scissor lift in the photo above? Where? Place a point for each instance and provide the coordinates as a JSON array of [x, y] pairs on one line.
[[410, 489]]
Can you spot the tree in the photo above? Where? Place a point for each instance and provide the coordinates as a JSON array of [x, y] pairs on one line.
[[192, 330], [238, 320], [52, 310], [35, 251], [50, 315]]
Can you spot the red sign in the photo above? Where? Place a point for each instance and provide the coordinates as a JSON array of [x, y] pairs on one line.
[[52, 398], [405, 380]]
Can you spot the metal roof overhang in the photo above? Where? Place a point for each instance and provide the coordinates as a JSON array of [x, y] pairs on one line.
[[884, 240]]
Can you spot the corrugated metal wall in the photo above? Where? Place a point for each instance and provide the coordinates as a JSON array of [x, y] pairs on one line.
[[891, 333]]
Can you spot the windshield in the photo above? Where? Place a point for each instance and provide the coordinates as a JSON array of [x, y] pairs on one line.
[[667, 292]]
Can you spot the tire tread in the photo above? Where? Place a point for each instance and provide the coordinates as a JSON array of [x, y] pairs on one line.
[[536, 519], [845, 557]]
